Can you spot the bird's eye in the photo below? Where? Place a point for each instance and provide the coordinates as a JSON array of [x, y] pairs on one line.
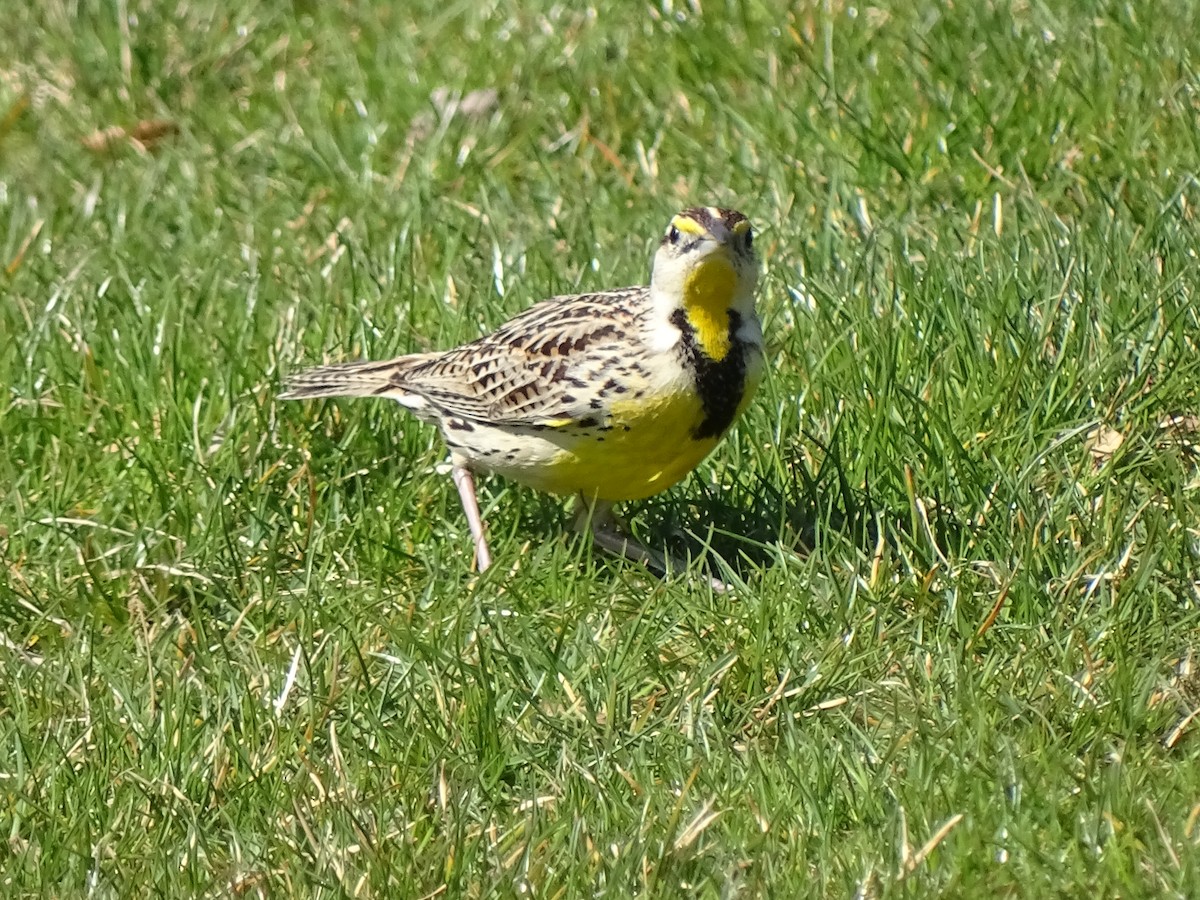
[[749, 239], [673, 235]]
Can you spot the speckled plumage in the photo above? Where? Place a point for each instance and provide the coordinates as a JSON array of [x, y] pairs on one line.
[[613, 395]]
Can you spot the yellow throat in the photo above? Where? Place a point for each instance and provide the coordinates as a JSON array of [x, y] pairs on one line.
[[707, 296]]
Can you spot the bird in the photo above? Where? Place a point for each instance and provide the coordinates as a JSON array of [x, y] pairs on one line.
[[610, 396]]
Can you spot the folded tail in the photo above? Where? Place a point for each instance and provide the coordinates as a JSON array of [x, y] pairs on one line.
[[358, 379]]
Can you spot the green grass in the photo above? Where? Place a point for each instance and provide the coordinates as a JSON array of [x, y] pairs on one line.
[[243, 648]]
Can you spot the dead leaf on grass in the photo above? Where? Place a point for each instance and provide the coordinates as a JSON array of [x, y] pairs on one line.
[[1182, 431], [1103, 442], [143, 137]]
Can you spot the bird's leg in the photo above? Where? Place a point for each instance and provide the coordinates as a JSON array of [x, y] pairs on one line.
[[598, 517], [465, 482]]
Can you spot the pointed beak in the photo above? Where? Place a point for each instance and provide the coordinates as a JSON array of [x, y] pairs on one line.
[[720, 241]]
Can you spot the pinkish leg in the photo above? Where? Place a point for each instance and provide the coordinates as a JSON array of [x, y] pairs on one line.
[[465, 482]]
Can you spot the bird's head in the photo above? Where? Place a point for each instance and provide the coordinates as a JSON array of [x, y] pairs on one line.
[[704, 269]]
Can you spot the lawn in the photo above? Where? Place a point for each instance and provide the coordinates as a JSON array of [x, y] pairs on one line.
[[243, 650]]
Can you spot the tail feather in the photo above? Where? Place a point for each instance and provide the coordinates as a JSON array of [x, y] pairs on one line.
[[357, 379]]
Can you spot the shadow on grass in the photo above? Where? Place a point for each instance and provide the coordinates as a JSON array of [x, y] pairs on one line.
[[749, 523]]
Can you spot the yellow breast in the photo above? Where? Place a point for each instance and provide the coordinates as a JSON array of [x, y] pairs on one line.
[[649, 448]]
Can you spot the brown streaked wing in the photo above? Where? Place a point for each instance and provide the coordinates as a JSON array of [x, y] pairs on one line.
[[535, 369]]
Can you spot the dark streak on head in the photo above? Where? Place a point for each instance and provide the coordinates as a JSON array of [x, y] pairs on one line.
[[703, 216]]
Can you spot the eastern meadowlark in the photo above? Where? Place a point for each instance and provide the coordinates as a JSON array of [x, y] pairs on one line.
[[611, 396]]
